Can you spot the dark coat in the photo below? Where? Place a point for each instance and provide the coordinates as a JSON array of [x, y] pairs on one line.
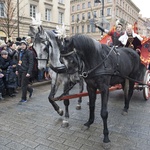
[[11, 79], [4, 64], [1, 85], [27, 61]]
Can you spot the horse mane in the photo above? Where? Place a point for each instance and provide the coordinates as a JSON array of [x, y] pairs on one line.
[[89, 45], [51, 34]]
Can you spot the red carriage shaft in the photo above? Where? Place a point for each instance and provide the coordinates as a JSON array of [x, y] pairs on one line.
[[113, 88]]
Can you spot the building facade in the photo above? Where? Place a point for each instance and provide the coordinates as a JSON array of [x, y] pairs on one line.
[[53, 12], [84, 13]]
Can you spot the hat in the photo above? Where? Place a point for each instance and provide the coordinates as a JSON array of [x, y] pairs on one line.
[[24, 42], [120, 22], [4, 52], [18, 39]]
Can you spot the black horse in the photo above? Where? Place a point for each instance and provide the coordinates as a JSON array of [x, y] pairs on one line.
[[101, 67]]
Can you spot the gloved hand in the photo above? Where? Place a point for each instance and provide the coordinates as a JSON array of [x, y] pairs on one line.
[[138, 51]]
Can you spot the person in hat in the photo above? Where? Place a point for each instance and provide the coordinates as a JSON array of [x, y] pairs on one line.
[[115, 34], [24, 70], [131, 39]]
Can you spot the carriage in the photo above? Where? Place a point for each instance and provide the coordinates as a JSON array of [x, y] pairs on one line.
[[74, 55]]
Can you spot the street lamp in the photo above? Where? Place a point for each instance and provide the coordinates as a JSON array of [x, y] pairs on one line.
[[101, 1], [18, 16]]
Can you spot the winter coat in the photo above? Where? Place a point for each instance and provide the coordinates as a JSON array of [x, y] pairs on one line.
[[4, 64], [1, 85], [27, 61], [11, 78]]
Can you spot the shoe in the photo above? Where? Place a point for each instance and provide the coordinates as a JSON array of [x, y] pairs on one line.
[[23, 101], [12, 95], [30, 93], [1, 98]]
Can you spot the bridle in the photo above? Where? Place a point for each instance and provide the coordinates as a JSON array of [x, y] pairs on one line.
[[48, 44]]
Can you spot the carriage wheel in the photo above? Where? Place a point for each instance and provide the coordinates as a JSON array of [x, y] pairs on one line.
[[146, 89]]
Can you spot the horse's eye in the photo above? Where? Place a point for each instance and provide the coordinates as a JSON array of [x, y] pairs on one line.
[[71, 61]]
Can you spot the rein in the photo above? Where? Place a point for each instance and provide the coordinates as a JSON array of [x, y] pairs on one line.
[[85, 74]]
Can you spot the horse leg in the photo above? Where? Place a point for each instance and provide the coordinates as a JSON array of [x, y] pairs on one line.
[[65, 122], [104, 113], [128, 92], [92, 99], [53, 103], [81, 88]]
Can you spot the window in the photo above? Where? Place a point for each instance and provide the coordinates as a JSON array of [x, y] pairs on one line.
[[88, 28], [89, 15], [47, 14], [83, 16], [78, 7], [78, 17], [94, 14], [93, 29], [82, 28], [77, 29], [61, 1], [117, 12], [72, 30], [72, 18], [72, 8], [89, 4], [1, 9], [108, 11], [32, 11], [60, 17], [101, 13], [109, 1], [83, 6]]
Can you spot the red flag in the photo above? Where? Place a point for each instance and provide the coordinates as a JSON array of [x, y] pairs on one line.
[[135, 28]]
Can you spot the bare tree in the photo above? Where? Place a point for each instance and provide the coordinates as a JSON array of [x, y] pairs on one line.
[[9, 16]]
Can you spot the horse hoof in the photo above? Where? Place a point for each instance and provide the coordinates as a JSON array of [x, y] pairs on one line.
[[106, 146], [60, 112], [124, 113], [65, 124], [78, 107]]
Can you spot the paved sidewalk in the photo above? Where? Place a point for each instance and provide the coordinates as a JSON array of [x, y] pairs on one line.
[[36, 126]]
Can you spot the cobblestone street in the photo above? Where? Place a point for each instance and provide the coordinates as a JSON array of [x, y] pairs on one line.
[[36, 126]]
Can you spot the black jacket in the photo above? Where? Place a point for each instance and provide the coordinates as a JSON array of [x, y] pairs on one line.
[[5, 63], [27, 61]]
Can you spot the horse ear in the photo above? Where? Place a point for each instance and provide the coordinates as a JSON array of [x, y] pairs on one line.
[[41, 30], [32, 31]]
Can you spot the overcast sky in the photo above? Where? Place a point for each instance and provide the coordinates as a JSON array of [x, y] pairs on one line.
[[144, 6]]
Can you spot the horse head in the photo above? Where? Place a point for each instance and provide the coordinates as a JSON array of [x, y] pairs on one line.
[[70, 57]]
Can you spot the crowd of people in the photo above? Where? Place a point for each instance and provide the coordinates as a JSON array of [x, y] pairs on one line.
[[18, 68]]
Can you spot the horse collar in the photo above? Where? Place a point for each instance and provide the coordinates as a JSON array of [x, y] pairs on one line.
[[85, 74]]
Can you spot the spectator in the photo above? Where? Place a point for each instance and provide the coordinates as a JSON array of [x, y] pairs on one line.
[[24, 70], [1, 85], [35, 67], [114, 34], [5, 63]]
